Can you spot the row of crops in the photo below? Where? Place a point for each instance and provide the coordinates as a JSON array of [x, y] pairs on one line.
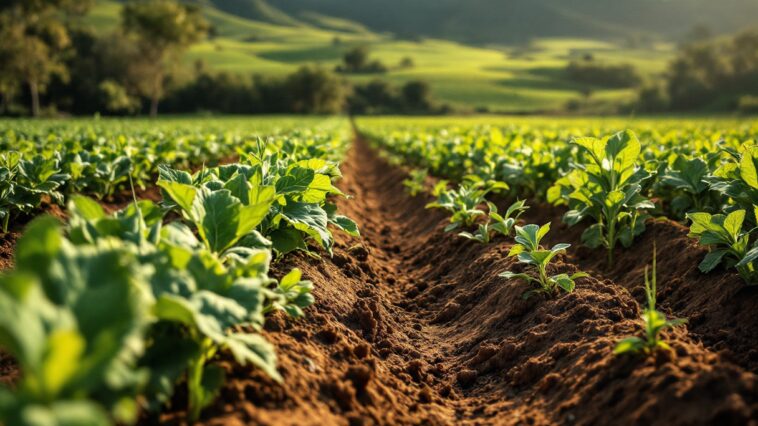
[[114, 315], [608, 182], [109, 315]]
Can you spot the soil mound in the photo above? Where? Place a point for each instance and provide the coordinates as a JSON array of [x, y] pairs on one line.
[[413, 326]]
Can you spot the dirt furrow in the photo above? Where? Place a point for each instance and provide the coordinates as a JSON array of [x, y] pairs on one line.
[[413, 326]]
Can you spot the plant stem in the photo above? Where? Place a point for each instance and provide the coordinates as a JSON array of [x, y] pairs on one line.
[[543, 278], [195, 381], [611, 241]]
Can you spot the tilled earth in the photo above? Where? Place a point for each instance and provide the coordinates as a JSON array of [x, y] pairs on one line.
[[413, 326]]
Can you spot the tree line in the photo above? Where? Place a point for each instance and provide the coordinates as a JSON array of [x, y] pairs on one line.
[[48, 57], [708, 75]]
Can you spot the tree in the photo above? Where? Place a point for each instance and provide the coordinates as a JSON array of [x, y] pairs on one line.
[[417, 96], [313, 90], [162, 30], [356, 59], [33, 36]]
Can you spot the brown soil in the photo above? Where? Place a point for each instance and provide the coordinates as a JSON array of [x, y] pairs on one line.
[[413, 326]]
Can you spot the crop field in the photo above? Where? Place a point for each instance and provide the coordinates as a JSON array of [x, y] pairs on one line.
[[393, 270]]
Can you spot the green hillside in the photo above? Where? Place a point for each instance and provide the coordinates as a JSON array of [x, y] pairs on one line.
[[509, 21], [257, 10], [522, 77]]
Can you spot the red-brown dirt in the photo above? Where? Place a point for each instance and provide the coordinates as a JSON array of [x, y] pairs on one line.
[[413, 326]]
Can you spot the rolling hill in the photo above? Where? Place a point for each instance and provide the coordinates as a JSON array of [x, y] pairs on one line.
[[275, 37], [508, 21]]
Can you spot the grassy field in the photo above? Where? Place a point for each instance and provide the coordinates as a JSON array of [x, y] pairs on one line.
[[501, 78]]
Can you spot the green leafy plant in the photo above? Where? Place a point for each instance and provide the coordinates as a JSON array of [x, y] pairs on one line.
[[221, 218], [464, 202], [294, 196], [529, 251], [730, 243], [97, 174], [655, 322], [736, 179], [415, 182], [605, 185], [503, 224], [684, 183], [201, 295], [500, 224], [24, 183], [73, 317]]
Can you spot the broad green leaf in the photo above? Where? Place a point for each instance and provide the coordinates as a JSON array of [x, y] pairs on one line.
[[733, 222], [254, 349], [625, 148], [516, 250], [592, 237], [291, 279], [630, 344], [172, 308], [86, 207], [239, 187], [309, 218], [318, 189], [700, 222], [296, 181], [712, 260], [182, 194], [544, 229], [286, 240], [747, 170], [593, 145], [252, 215], [62, 358], [346, 224], [260, 194], [564, 282], [39, 244], [220, 226]]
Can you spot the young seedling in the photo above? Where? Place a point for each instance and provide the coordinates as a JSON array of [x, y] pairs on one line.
[[482, 234], [530, 252], [655, 322], [501, 224], [504, 224], [414, 184], [464, 202]]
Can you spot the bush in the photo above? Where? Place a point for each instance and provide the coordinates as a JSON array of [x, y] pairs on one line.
[[652, 97], [313, 90], [356, 60], [379, 97], [748, 104], [617, 76], [715, 75]]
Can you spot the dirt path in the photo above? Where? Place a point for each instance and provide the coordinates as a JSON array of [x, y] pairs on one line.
[[413, 326]]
